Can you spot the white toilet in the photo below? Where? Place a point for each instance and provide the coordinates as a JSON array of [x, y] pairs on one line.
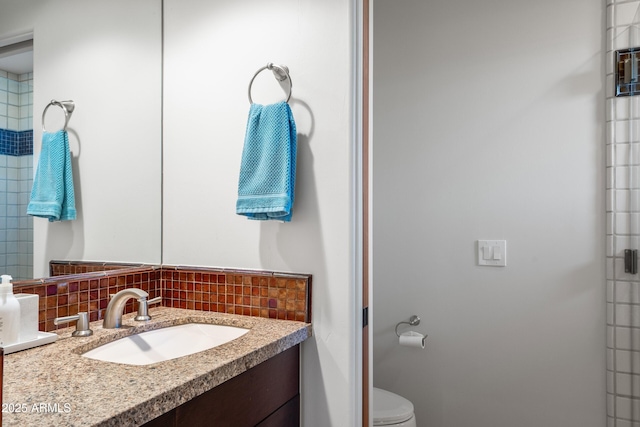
[[389, 409]]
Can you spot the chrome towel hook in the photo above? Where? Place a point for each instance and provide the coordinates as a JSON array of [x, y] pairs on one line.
[[67, 107], [413, 321], [280, 72]]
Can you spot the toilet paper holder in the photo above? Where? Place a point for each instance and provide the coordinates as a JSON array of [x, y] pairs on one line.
[[413, 321]]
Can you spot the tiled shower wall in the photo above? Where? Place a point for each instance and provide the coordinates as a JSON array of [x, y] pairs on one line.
[[16, 174], [623, 226]]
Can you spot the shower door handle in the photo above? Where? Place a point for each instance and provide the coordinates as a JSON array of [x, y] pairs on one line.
[[631, 261]]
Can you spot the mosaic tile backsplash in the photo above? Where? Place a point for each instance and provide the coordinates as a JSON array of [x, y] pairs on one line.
[[250, 293], [246, 292], [61, 268]]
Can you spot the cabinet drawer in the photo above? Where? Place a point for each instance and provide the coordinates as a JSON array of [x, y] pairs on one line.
[[247, 400]]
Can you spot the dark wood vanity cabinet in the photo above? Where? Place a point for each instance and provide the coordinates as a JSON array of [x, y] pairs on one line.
[[266, 395]]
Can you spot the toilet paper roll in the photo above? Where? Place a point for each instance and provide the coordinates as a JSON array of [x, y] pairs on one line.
[[412, 339]]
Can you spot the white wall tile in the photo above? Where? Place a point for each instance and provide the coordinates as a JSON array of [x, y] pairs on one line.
[[610, 156], [627, 292], [625, 242], [610, 130], [610, 177], [609, 85], [626, 360], [627, 315], [620, 273], [14, 101], [627, 177], [12, 257], [611, 337], [627, 338], [625, 14], [609, 268], [620, 108], [610, 200], [628, 384], [610, 246], [609, 62], [610, 43], [627, 131], [622, 153], [610, 359], [626, 423], [627, 223], [12, 86], [627, 200], [610, 109], [610, 16], [628, 408]]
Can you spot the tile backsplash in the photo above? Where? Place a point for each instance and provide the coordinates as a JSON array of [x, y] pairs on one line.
[[250, 293], [85, 286], [86, 292], [61, 268]]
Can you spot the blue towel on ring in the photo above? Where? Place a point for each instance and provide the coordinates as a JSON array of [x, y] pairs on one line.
[[52, 195], [268, 168]]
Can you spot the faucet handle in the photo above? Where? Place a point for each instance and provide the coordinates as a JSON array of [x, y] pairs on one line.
[[82, 324], [143, 308]]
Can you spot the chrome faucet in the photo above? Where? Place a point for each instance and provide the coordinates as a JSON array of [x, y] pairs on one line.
[[113, 313]]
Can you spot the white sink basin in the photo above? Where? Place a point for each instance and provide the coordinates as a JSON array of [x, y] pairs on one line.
[[165, 344]]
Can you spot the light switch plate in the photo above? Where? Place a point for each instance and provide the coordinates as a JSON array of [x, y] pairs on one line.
[[492, 253]]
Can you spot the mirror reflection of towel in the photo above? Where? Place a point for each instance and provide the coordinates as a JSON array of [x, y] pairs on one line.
[[268, 168], [52, 194]]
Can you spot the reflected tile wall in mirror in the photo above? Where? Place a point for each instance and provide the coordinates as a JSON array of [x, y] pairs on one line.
[[16, 174]]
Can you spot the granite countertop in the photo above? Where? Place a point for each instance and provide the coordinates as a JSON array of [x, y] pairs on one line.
[[54, 385]]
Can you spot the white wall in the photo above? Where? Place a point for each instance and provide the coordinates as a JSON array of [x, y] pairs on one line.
[[489, 124], [109, 63], [16, 20], [212, 49], [114, 77]]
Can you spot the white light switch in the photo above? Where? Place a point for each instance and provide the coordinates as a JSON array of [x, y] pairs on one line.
[[492, 253], [486, 252]]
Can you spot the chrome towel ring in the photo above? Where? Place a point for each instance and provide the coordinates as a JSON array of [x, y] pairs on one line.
[[67, 107], [280, 72]]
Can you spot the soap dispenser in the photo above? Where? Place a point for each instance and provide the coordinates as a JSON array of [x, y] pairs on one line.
[[9, 313]]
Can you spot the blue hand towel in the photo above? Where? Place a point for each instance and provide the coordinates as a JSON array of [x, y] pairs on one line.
[[268, 169], [52, 194]]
